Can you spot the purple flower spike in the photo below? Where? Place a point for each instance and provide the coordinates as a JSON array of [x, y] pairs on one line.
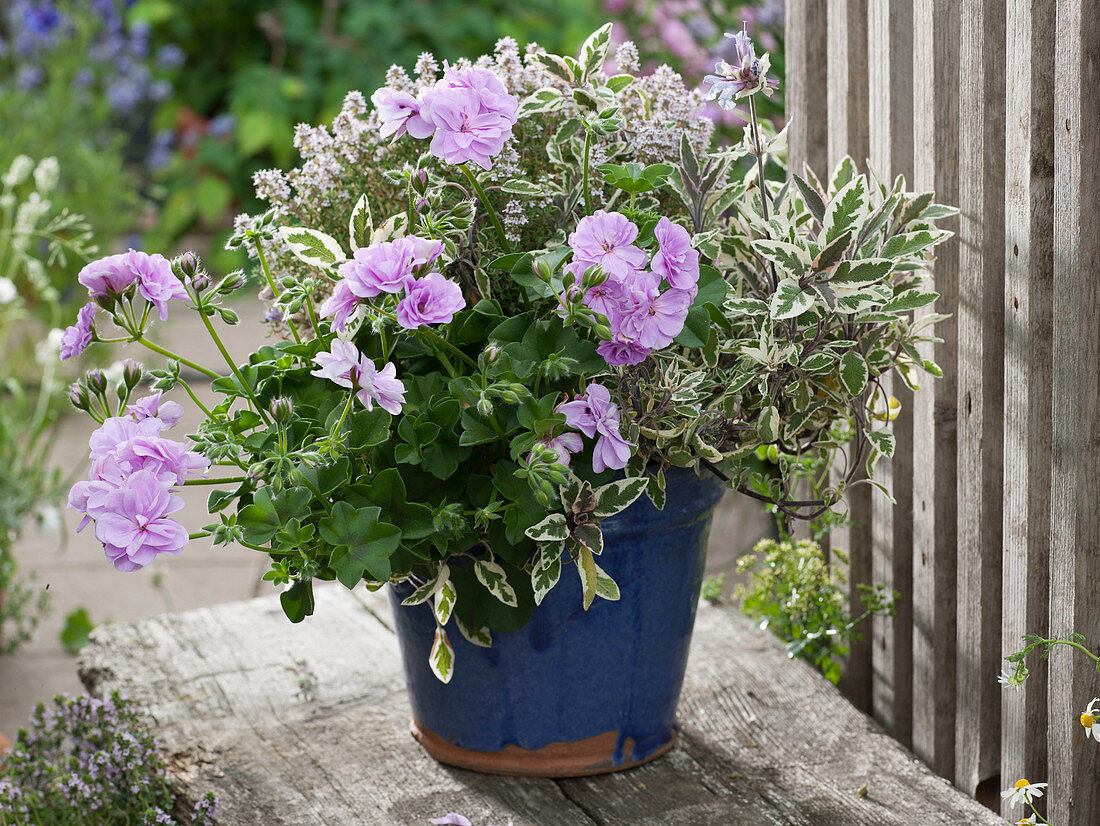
[[747, 77], [75, 339]]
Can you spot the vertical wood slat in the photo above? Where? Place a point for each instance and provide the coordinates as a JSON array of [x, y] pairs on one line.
[[935, 141], [848, 102], [980, 372], [1029, 262], [1074, 794], [806, 85], [890, 137]]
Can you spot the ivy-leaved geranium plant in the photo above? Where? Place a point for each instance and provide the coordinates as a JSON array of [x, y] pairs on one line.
[[548, 290]]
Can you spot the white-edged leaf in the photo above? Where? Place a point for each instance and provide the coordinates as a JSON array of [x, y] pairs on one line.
[[909, 244], [519, 187], [861, 273], [790, 300], [594, 49], [768, 424], [615, 496], [547, 570], [550, 529], [745, 306], [605, 585], [442, 657], [480, 637], [586, 569], [847, 209], [883, 440], [313, 247], [655, 490], [361, 224], [589, 535], [909, 300], [393, 227], [853, 372], [443, 603], [789, 257], [428, 589], [494, 579]]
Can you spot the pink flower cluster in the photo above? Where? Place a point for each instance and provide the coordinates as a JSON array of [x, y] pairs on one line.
[[395, 267], [115, 276], [594, 415], [345, 366], [642, 318], [134, 472], [468, 114]]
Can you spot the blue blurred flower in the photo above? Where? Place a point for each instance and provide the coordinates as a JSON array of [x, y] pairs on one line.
[[170, 56], [221, 126]]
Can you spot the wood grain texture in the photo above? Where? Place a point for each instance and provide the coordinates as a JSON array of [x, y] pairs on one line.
[[890, 60], [1029, 265], [806, 85], [308, 725], [848, 95], [935, 161], [1074, 573], [980, 400]]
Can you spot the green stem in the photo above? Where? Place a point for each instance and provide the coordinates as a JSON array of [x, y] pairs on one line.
[[198, 534], [426, 333], [232, 366], [587, 155], [156, 348], [195, 399], [312, 317], [344, 415], [488, 207], [759, 152], [274, 288], [224, 480]]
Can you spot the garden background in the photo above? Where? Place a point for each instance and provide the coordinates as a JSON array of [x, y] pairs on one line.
[[159, 114]]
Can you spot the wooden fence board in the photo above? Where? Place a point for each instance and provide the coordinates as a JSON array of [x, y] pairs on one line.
[[1029, 227], [1075, 573], [849, 135], [806, 85], [980, 316], [936, 26], [890, 135]]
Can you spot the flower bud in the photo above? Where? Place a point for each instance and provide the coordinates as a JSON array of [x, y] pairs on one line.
[[96, 381], [492, 353], [282, 409], [420, 181], [421, 205], [509, 397], [234, 281], [484, 406], [78, 396], [131, 373], [543, 270]]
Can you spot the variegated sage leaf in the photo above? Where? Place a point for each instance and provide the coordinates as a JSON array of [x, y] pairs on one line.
[[444, 602], [312, 247], [615, 496], [492, 576], [547, 570], [550, 529], [480, 637], [442, 657]]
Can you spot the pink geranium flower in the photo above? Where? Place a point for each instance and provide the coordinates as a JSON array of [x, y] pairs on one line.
[[561, 447], [134, 527], [432, 299], [595, 415], [340, 305], [336, 365], [75, 339], [606, 239], [618, 352], [675, 260], [398, 112], [654, 323], [156, 281], [380, 386], [110, 275], [152, 407]]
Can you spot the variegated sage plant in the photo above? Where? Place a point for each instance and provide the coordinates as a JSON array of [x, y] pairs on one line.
[[494, 339]]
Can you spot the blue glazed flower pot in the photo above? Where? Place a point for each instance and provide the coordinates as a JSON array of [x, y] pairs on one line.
[[575, 692]]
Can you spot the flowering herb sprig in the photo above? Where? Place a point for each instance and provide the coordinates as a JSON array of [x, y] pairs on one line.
[[547, 292], [86, 760]]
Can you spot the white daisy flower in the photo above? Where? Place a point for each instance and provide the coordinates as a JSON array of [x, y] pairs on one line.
[[1090, 719], [1010, 680], [1023, 792], [1027, 821]]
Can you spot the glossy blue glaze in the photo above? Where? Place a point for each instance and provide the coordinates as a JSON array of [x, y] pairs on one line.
[[568, 674]]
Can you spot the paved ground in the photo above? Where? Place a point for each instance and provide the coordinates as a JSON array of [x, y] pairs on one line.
[[73, 568]]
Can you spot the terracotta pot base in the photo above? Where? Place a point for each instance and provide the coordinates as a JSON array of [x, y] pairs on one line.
[[593, 755]]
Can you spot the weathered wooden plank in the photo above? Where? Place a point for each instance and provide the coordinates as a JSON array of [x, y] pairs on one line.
[[936, 25], [806, 85], [849, 135], [1074, 795], [297, 724], [307, 724], [890, 60], [1029, 263], [980, 319]]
